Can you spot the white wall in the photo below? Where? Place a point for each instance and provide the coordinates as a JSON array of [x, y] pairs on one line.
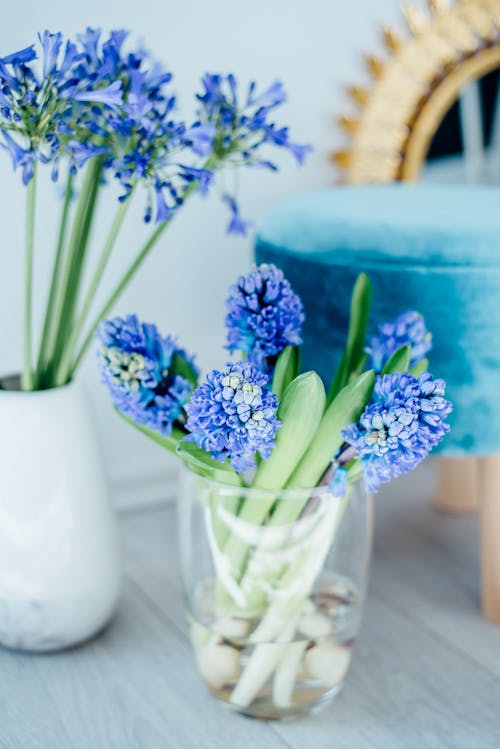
[[314, 47]]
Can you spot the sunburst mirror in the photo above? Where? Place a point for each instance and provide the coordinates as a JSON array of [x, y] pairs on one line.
[[440, 70]]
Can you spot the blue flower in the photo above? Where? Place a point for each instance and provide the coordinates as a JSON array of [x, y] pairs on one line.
[[233, 415], [242, 128], [110, 95], [25, 158], [203, 177], [272, 97], [103, 101], [402, 423], [237, 224], [82, 152], [263, 315], [41, 110], [200, 138], [164, 211], [19, 58], [149, 377], [144, 139], [133, 117], [407, 329], [51, 44], [95, 97]]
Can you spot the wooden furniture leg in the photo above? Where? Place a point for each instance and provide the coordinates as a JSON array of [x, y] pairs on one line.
[[489, 535], [456, 485]]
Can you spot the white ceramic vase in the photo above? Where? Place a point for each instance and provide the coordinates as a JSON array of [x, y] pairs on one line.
[[59, 562]]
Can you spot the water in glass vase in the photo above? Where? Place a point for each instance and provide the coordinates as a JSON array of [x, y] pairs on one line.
[[297, 672]]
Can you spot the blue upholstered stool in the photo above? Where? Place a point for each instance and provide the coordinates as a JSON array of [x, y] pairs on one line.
[[432, 248]]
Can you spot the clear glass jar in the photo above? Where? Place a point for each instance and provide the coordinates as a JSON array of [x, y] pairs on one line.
[[274, 584]]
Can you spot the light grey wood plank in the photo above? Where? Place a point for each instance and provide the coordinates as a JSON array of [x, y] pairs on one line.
[[408, 687], [406, 518], [28, 715], [426, 564]]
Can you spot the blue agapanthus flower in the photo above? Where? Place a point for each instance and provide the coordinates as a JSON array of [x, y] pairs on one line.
[[237, 224], [40, 104], [142, 139], [96, 97], [233, 415], [263, 315], [407, 329], [92, 97], [404, 420], [149, 377], [243, 127]]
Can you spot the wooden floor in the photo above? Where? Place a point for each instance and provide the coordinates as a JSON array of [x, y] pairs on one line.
[[426, 670]]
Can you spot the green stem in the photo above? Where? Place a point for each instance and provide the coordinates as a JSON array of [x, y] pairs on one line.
[[63, 372], [66, 299], [27, 377], [119, 288], [126, 278], [54, 284], [356, 336], [169, 442]]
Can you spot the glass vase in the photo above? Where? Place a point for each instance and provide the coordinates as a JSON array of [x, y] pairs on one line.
[[274, 584]]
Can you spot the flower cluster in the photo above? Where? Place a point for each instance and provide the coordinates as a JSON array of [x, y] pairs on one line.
[[141, 140], [242, 127], [37, 107], [263, 315], [149, 377], [233, 415], [407, 329], [92, 98], [399, 427]]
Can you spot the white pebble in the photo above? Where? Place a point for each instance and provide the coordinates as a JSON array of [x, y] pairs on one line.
[[315, 625], [328, 663], [218, 663], [231, 628]]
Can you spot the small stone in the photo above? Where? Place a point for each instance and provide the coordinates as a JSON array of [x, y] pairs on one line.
[[314, 625], [218, 663], [231, 627], [328, 663]]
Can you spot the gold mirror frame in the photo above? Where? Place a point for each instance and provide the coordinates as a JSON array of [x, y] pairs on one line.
[[415, 86]]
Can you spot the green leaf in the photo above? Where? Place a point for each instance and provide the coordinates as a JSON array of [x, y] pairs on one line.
[[167, 442], [356, 335], [336, 385], [286, 369], [419, 367], [345, 409], [201, 463], [359, 369], [300, 413], [399, 361], [358, 323], [180, 366], [298, 361]]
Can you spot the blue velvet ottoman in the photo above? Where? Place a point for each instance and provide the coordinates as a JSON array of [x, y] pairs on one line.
[[432, 248]]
